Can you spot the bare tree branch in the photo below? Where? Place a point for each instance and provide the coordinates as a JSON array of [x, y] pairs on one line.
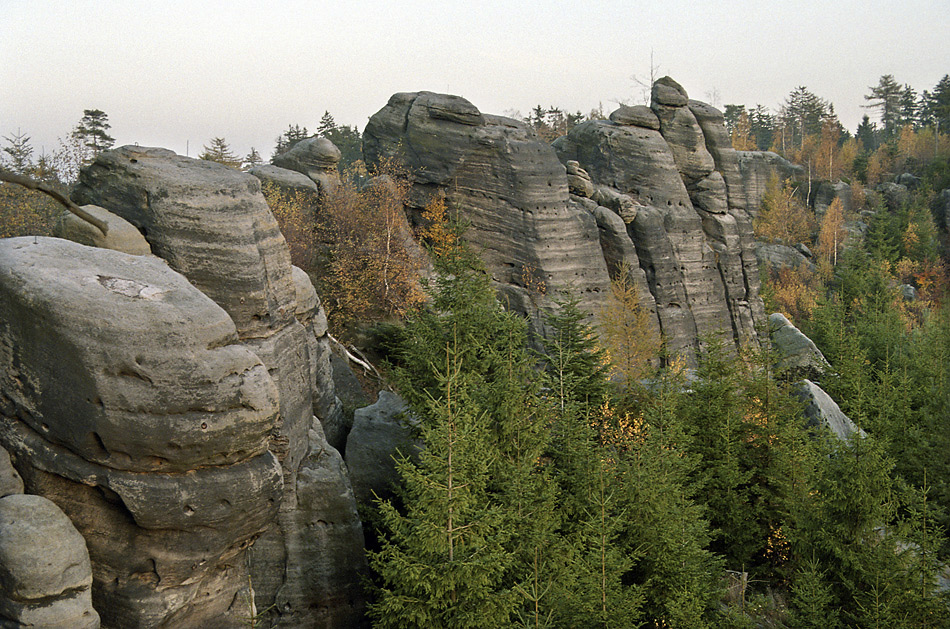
[[40, 186]]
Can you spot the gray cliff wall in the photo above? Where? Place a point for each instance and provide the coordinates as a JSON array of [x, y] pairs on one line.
[[167, 404], [658, 189], [507, 185]]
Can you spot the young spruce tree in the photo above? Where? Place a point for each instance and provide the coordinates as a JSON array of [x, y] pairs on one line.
[[463, 367]]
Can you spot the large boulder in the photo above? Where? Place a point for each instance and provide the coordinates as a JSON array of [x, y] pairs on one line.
[[756, 168], [636, 116], [895, 195], [823, 413], [776, 256], [381, 432], [797, 356], [120, 235], [45, 575], [128, 401], [829, 191], [317, 158], [286, 180]]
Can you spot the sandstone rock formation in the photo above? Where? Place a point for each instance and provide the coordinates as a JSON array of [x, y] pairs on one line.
[[691, 232], [212, 225], [829, 191], [128, 401], [508, 185], [757, 167], [10, 481], [44, 567], [317, 158], [823, 412], [286, 180], [122, 235], [773, 255], [668, 173], [796, 354], [380, 432]]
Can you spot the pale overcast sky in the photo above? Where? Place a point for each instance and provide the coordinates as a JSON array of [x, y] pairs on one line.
[[175, 74]]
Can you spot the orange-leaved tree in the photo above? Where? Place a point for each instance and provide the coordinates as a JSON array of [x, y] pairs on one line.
[[295, 211], [832, 234], [631, 341], [370, 264], [783, 216]]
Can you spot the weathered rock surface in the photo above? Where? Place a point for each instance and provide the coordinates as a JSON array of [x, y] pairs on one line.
[[908, 180], [327, 407], [636, 116], [691, 232], [317, 158], [797, 355], [829, 191], [380, 432], [578, 181], [774, 255], [10, 481], [757, 167], [325, 562], [44, 567], [212, 224], [127, 401], [508, 185], [823, 412], [121, 235], [894, 194], [285, 179]]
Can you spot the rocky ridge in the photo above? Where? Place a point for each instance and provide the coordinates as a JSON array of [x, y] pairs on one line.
[[657, 189]]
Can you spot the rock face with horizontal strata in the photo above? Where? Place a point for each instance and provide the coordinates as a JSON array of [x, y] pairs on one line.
[[692, 233], [508, 185], [128, 401], [213, 225]]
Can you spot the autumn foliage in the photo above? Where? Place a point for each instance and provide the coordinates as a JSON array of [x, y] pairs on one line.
[[632, 344], [25, 212], [783, 217]]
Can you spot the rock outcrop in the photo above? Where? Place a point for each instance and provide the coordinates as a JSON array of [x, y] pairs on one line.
[[121, 235], [380, 433], [774, 255], [212, 225], [757, 167], [691, 233], [44, 567], [128, 401], [509, 187], [827, 192], [667, 172], [797, 356], [317, 158], [823, 412]]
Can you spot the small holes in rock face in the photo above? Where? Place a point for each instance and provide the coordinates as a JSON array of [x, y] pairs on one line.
[[189, 510], [44, 427], [204, 425], [134, 161]]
